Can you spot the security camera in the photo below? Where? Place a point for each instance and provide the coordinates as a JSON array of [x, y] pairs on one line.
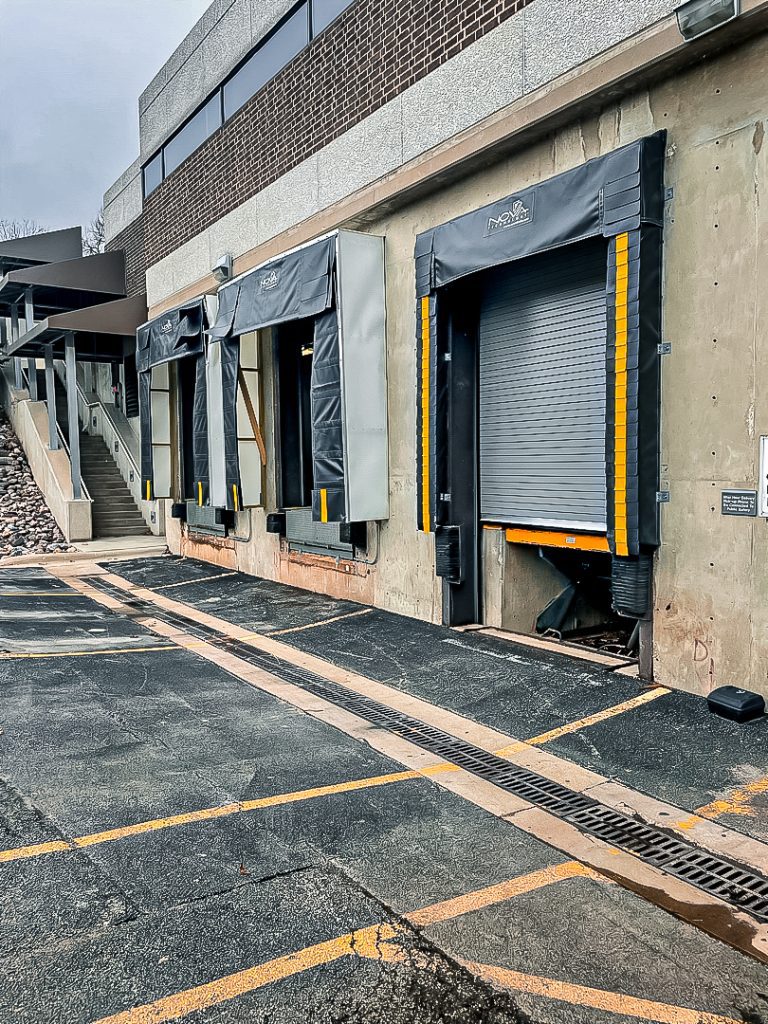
[[222, 268]]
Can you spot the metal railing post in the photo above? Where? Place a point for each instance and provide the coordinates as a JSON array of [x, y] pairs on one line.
[[50, 399], [73, 417], [19, 380]]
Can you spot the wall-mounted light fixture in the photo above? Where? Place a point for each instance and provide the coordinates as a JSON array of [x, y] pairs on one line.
[[697, 17], [222, 268]]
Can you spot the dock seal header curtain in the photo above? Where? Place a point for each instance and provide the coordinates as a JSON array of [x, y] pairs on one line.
[[291, 287], [299, 285], [619, 196], [175, 334]]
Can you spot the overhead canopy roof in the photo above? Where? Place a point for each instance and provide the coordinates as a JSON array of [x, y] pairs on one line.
[[102, 333], [46, 247], [66, 285]]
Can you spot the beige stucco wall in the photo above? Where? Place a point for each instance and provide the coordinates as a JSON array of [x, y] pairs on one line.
[[711, 596]]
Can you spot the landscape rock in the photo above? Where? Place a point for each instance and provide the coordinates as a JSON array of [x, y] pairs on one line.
[[26, 523]]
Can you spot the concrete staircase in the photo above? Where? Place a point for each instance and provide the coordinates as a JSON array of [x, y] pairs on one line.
[[114, 511]]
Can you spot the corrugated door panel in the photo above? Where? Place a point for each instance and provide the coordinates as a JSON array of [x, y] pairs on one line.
[[542, 390]]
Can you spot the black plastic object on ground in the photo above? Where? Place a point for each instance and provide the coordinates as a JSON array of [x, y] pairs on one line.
[[733, 702]]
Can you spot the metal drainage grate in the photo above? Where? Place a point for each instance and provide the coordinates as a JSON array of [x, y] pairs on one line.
[[717, 877]]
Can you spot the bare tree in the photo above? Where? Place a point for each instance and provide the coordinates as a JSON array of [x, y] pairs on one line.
[[19, 228], [94, 237]]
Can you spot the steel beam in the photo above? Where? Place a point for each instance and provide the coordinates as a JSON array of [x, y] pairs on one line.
[[32, 377], [29, 309], [50, 399], [73, 419], [18, 379]]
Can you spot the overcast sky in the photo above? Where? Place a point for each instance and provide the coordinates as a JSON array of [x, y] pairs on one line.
[[70, 76]]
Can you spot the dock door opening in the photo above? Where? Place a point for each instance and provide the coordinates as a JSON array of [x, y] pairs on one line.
[[537, 412], [542, 343], [293, 351]]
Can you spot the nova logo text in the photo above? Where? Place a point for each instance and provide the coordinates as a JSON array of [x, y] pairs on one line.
[[518, 213]]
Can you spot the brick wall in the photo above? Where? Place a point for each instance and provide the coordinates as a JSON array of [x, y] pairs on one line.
[[131, 240], [372, 53]]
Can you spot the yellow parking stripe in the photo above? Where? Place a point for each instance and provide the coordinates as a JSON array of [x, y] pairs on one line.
[[494, 894], [594, 998], [95, 652], [738, 802], [245, 806], [584, 723], [205, 814], [323, 622], [365, 941]]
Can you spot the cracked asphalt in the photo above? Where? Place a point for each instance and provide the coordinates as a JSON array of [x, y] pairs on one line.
[[176, 844]]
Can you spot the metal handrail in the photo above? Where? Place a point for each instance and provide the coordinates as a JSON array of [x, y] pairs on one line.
[[63, 442], [108, 413]]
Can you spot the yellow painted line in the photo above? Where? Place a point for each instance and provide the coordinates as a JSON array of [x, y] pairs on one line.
[[202, 579], [425, 434], [594, 998], [364, 942], [206, 814], [494, 894], [584, 723], [235, 498], [233, 985], [24, 852], [96, 652], [323, 622], [323, 505], [199, 492], [620, 396], [211, 813], [738, 803], [149, 490]]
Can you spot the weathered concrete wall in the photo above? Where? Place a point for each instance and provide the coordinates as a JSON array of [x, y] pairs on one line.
[[540, 43], [221, 38], [123, 201], [711, 592], [711, 619]]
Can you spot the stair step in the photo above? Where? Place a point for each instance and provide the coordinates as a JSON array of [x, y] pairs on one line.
[[122, 531]]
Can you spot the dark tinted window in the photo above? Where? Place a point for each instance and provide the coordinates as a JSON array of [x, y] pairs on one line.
[[153, 174], [193, 134], [324, 11], [282, 46]]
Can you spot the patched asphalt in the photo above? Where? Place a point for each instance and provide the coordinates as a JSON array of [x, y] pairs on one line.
[[672, 748], [104, 741]]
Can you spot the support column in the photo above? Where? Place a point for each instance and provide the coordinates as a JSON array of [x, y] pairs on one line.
[[50, 393], [29, 323], [73, 418], [29, 309], [19, 380], [32, 375]]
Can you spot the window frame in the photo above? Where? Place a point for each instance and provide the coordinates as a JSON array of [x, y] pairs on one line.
[[219, 91]]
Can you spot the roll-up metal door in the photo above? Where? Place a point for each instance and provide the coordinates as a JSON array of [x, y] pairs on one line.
[[543, 390]]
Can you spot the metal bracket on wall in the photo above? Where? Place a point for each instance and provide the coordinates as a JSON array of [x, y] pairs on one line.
[[664, 348], [662, 497], [669, 194]]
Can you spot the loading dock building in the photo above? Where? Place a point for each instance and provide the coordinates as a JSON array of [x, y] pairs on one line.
[[563, 432]]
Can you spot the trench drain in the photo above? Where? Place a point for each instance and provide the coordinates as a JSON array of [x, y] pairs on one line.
[[728, 882]]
